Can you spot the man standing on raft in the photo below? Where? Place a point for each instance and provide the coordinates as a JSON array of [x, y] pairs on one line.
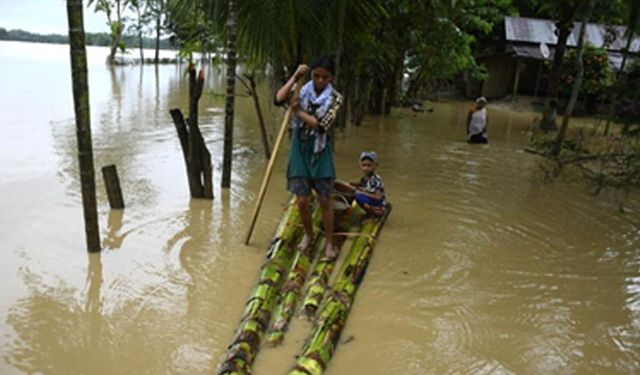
[[311, 153]]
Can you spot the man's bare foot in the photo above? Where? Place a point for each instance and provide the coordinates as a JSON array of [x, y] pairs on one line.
[[330, 252], [305, 243]]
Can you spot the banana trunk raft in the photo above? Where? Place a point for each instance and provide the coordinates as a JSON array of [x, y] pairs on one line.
[[257, 311], [332, 317], [281, 279]]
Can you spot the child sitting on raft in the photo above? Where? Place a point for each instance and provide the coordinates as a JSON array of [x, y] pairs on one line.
[[370, 189]]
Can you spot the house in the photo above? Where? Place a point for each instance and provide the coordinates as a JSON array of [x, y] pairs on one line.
[[517, 64]]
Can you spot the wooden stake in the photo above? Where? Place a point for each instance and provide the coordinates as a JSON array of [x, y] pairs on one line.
[[112, 184], [269, 170], [197, 158]]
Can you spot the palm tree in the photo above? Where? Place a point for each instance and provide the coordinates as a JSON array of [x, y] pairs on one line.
[[83, 122], [138, 6], [158, 9], [116, 26], [230, 99]]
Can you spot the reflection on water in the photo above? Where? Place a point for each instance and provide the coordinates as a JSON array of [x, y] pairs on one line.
[[481, 268], [113, 238]]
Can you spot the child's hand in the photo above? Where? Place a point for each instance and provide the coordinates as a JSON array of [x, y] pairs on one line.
[[301, 71]]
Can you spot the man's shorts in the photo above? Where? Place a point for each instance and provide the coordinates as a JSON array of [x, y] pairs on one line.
[[301, 187]]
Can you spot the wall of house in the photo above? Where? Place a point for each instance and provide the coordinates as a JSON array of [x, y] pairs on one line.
[[501, 71], [528, 76]]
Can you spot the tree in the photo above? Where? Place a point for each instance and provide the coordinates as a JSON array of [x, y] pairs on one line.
[[157, 11], [555, 151], [597, 77], [632, 27], [191, 28], [565, 14], [83, 122], [230, 99], [116, 25], [142, 18]]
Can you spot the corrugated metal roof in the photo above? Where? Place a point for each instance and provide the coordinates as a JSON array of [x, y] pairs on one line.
[[532, 30], [529, 51]]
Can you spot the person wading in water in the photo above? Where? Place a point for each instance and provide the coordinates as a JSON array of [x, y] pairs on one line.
[[477, 122]]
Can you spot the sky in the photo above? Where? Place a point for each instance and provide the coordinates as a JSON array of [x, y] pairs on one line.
[[46, 16]]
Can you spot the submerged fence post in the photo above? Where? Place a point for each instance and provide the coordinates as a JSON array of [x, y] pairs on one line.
[[112, 184]]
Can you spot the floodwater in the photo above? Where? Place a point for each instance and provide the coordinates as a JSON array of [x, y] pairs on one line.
[[481, 268]]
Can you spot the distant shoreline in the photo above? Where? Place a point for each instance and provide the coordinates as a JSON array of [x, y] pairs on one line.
[[92, 39]]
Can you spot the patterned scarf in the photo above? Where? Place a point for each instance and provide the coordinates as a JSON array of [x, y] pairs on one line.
[[315, 105]]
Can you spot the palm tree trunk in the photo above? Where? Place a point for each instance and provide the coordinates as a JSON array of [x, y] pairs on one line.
[[230, 100], [576, 85], [156, 59], [116, 35], [83, 122], [140, 33], [339, 79]]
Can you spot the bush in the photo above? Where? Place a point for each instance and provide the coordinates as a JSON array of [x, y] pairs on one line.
[[627, 93], [597, 77]]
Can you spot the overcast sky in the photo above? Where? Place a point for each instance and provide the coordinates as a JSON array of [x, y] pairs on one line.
[[46, 16]]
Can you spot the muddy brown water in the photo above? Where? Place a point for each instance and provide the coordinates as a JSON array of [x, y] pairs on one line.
[[481, 268]]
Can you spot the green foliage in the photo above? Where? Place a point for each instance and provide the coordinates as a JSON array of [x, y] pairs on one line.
[[597, 76], [444, 37], [627, 92], [191, 28]]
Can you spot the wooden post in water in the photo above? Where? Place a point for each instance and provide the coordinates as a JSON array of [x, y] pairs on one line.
[[194, 153], [112, 184], [83, 122], [197, 157]]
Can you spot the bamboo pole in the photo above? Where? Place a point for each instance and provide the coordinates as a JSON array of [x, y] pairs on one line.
[[326, 333], [269, 170]]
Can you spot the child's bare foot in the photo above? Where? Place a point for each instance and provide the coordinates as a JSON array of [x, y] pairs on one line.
[[305, 243], [330, 252]]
